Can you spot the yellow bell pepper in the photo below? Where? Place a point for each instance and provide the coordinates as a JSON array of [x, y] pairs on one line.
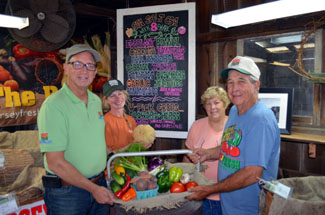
[[119, 170]]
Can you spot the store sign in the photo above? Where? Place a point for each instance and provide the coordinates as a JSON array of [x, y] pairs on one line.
[[156, 62], [21, 107], [36, 208]]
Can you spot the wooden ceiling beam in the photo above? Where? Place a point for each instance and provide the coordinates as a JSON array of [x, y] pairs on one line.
[[90, 10], [261, 29]]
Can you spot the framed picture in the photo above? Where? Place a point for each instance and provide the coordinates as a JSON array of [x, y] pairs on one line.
[[279, 100]]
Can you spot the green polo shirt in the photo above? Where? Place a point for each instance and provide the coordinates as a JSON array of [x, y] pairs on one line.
[[66, 124]]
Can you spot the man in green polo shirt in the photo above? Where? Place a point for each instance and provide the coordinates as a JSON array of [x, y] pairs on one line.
[[71, 131]]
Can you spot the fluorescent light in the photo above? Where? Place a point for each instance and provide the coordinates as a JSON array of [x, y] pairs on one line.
[[280, 64], [306, 46], [262, 44], [13, 21], [286, 39], [278, 49], [267, 11]]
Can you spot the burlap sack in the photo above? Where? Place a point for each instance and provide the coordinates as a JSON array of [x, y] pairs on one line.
[[27, 140], [308, 197], [23, 168], [166, 201]]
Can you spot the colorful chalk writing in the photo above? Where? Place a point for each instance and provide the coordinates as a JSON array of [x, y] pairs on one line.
[[156, 68]]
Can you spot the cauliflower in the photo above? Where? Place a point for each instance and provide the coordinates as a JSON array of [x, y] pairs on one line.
[[144, 134]]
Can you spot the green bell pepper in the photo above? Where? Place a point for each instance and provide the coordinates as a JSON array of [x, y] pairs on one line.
[[175, 174], [163, 183], [162, 172]]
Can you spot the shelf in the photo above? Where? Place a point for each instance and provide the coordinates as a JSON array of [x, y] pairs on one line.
[[304, 137]]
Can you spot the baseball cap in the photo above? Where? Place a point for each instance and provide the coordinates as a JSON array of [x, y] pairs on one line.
[[78, 48], [244, 65], [111, 85]]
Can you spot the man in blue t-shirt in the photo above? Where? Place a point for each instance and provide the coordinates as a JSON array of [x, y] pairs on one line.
[[250, 146]]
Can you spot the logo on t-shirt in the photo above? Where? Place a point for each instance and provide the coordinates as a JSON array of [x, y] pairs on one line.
[[229, 149], [45, 138], [100, 115]]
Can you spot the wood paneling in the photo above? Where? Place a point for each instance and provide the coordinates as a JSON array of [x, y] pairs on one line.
[[295, 160]]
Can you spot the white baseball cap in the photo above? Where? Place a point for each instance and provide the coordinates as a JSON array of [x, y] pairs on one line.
[[244, 65]]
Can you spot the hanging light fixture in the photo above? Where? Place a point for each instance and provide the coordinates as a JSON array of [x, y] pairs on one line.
[[7, 21], [267, 11]]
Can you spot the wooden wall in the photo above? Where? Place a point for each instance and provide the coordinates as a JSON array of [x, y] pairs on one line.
[[217, 46]]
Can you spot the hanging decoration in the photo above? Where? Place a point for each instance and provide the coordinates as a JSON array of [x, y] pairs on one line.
[[315, 77]]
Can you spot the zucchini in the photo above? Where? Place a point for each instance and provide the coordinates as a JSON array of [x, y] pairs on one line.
[[115, 186], [119, 179]]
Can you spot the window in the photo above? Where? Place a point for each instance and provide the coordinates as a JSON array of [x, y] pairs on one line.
[[275, 55]]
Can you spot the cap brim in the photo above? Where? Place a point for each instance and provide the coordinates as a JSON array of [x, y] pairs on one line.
[[224, 72]]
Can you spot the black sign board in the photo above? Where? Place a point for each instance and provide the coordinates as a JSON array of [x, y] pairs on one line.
[[156, 66]]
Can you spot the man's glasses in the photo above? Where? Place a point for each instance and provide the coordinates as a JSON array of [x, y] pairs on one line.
[[79, 65]]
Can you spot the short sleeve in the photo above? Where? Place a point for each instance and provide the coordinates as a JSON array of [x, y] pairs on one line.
[[52, 128]]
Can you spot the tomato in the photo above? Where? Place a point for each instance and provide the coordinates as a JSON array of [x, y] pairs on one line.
[[12, 84], [190, 184], [177, 187], [234, 152], [224, 146], [4, 74]]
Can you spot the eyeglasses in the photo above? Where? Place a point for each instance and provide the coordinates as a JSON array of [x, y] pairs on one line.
[[80, 65]]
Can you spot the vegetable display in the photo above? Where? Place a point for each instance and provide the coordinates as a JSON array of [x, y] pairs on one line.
[[133, 177], [21, 51]]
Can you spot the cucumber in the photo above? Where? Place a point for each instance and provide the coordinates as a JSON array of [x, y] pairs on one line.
[[115, 186], [119, 179], [131, 173]]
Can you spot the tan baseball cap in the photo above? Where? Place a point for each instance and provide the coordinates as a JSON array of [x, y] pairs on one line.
[[243, 65], [78, 48]]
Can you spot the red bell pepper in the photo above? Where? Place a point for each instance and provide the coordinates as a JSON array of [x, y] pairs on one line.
[[21, 51]]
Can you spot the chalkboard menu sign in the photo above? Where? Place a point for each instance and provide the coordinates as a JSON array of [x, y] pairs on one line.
[[156, 62]]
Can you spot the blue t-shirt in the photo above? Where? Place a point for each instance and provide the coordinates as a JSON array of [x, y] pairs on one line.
[[250, 139]]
